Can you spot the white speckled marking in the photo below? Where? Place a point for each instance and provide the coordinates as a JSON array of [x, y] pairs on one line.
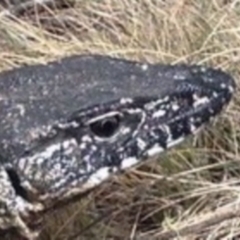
[[141, 144], [129, 162], [144, 67], [126, 100], [223, 85], [200, 100], [86, 138], [156, 149], [153, 104], [159, 113], [98, 177], [175, 107], [110, 114]]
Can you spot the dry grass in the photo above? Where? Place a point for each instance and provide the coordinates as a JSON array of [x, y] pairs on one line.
[[192, 192]]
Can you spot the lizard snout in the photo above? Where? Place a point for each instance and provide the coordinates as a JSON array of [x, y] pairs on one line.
[[215, 82]]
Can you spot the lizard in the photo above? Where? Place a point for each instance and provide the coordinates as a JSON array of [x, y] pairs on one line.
[[69, 125]]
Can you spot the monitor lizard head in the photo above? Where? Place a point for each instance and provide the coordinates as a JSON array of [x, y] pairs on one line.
[[67, 126], [83, 150]]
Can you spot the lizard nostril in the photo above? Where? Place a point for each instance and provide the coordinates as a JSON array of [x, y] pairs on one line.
[[14, 178]]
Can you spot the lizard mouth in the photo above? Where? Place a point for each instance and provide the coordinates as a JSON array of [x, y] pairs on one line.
[[16, 183]]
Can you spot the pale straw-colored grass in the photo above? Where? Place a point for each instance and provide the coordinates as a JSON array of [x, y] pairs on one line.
[[191, 192]]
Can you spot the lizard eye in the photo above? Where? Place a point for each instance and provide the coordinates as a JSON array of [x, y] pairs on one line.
[[106, 127]]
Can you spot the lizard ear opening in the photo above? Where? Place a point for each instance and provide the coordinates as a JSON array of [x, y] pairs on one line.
[[106, 127]]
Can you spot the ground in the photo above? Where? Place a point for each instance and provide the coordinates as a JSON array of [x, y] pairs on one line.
[[191, 192]]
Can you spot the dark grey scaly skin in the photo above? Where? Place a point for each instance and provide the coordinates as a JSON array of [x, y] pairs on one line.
[[67, 126]]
